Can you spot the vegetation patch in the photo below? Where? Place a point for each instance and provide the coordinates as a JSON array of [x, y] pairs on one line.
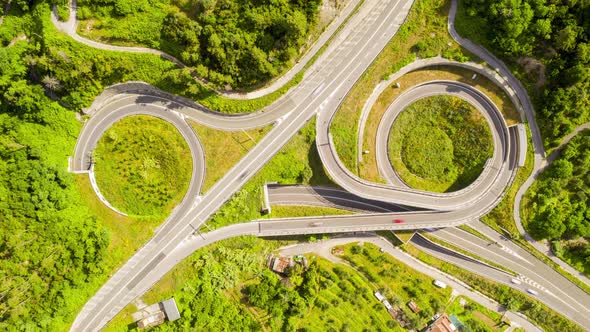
[[426, 25], [368, 166], [554, 37], [143, 166], [223, 149], [284, 211], [475, 316], [233, 42], [511, 299], [555, 206], [297, 163], [440, 143]]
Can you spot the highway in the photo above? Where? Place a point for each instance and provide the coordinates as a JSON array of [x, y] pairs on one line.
[[554, 289], [320, 93], [328, 197], [332, 76]]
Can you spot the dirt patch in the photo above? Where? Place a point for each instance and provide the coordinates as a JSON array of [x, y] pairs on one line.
[[329, 9], [534, 68]]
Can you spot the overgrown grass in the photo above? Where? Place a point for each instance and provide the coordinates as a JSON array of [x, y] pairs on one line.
[[143, 166], [283, 211], [535, 310], [502, 216], [297, 163], [223, 149], [368, 166], [398, 282], [202, 285], [425, 25], [476, 316], [440, 143]]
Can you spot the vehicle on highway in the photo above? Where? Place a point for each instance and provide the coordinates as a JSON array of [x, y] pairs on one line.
[[398, 221], [316, 224], [532, 291], [515, 281], [440, 284]]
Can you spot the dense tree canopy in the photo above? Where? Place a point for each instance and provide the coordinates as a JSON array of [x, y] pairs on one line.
[[558, 33], [49, 244], [236, 42], [559, 200]]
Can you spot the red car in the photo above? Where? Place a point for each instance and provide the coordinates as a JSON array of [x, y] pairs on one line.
[[398, 221]]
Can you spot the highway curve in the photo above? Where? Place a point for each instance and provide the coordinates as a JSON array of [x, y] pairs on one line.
[[95, 127], [324, 85]]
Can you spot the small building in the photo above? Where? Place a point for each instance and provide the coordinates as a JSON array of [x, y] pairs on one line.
[[280, 264], [156, 314], [413, 306], [387, 305], [379, 296], [170, 309], [442, 324], [152, 320]]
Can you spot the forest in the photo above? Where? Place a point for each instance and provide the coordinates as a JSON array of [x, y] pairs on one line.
[[240, 43], [558, 203], [49, 244], [558, 34]]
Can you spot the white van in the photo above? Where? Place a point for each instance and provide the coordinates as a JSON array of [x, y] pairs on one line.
[[440, 284]]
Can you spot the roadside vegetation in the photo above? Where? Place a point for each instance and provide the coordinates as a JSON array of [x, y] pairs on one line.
[[282, 211], [555, 206], [327, 296], [143, 166], [475, 316], [423, 34], [547, 44], [368, 166], [297, 163], [223, 149], [511, 299], [234, 42], [440, 144]]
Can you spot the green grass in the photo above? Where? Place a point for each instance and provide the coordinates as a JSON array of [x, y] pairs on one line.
[[536, 311], [426, 23], [345, 302], [440, 144], [476, 316], [398, 282], [297, 163], [143, 166], [223, 149], [283, 211]]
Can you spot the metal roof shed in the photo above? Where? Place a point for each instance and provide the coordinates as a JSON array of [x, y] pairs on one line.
[[171, 309]]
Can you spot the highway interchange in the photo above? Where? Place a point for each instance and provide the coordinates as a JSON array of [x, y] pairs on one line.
[[325, 84]]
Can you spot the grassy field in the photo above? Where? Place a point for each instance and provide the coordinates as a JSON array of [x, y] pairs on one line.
[[440, 144], [398, 282], [536, 311], [282, 211], [475, 316], [426, 25], [143, 166], [368, 166], [223, 149], [297, 163]]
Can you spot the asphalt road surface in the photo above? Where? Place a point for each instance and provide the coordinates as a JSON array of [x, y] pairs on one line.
[[335, 72], [324, 86]]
